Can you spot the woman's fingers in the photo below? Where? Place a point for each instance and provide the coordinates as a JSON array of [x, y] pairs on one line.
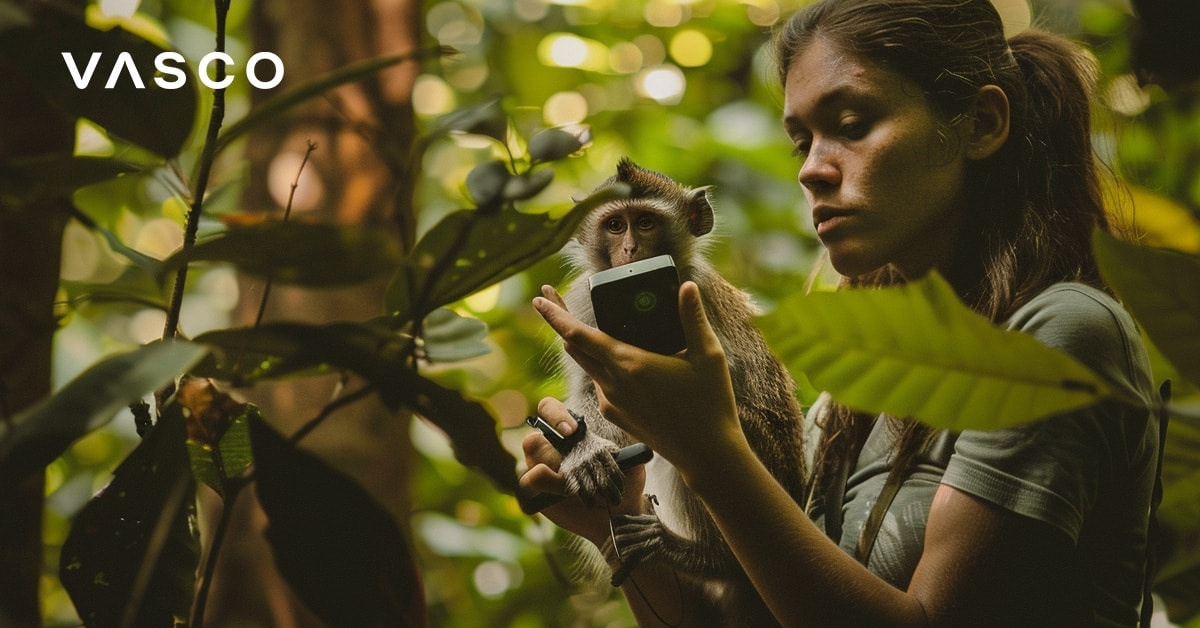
[[697, 331]]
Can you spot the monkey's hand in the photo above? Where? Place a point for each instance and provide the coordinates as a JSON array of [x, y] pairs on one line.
[[591, 472], [638, 538]]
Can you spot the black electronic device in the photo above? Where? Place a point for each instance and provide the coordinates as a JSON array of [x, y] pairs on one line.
[[626, 457], [638, 303]]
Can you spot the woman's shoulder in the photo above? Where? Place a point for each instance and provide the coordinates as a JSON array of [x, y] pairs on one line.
[[1091, 326]]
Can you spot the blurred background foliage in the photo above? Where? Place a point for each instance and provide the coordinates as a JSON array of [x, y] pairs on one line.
[[684, 87]]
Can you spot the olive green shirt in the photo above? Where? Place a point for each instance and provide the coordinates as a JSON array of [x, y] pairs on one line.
[[1089, 473]]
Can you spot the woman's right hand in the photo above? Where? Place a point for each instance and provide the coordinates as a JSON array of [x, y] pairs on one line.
[[543, 462]]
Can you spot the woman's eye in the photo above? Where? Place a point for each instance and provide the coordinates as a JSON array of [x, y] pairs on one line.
[[615, 225], [800, 148], [853, 128]]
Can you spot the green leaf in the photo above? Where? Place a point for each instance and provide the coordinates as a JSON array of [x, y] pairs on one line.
[[316, 255], [469, 250], [527, 185], [133, 542], [234, 452], [486, 183], [277, 350], [552, 145], [153, 117], [916, 351], [338, 549], [379, 357], [277, 105], [471, 429], [1162, 289], [487, 119], [451, 338], [48, 176], [38, 435]]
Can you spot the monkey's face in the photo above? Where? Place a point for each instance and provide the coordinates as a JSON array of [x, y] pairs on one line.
[[628, 233]]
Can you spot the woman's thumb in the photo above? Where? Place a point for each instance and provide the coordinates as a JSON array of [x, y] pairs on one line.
[[696, 329]]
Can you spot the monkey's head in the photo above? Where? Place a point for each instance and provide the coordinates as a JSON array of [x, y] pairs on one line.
[[659, 217]]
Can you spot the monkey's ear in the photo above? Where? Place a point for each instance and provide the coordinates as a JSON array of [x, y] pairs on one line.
[[699, 211]]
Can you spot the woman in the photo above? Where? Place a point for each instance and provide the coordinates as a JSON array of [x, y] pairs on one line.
[[927, 142]]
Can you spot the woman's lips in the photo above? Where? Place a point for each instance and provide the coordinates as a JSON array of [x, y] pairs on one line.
[[826, 219]]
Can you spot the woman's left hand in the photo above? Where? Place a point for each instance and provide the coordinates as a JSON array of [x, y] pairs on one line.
[[682, 406]]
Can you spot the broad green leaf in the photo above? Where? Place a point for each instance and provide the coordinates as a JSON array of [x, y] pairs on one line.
[[1164, 221], [1162, 289], [339, 550], [38, 435], [278, 350], [469, 250], [218, 442], [528, 185], [451, 338], [277, 105], [916, 351], [378, 356], [487, 119], [486, 183], [471, 429], [316, 255], [133, 542], [552, 145], [57, 175], [153, 117]]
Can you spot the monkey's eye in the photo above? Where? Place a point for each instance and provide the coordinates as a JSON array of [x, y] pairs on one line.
[[645, 223], [615, 225]]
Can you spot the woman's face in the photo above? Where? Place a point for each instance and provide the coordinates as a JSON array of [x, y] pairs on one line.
[[882, 173]]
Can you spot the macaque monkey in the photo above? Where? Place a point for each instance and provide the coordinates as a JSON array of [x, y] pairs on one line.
[[659, 217]]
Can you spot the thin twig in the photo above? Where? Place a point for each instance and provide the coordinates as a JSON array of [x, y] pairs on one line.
[[207, 157], [329, 409], [287, 213]]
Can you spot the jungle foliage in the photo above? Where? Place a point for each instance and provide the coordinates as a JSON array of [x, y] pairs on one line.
[[131, 555]]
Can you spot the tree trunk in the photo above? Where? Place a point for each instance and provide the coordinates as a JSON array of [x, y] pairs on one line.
[[30, 246], [361, 172]]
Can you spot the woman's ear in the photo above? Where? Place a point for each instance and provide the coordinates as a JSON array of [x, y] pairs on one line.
[[989, 122]]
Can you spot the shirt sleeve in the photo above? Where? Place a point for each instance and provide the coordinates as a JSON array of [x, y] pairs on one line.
[[1052, 470]]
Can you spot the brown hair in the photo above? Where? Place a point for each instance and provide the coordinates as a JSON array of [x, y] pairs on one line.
[[1036, 201]]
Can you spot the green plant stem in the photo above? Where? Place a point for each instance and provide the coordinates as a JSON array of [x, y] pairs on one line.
[[233, 488], [207, 157]]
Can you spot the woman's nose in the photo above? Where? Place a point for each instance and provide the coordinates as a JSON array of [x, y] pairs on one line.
[[819, 170]]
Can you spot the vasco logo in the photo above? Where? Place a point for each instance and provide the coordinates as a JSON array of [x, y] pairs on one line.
[[168, 65]]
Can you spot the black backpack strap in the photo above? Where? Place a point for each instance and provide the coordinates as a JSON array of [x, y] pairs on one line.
[[1153, 533]]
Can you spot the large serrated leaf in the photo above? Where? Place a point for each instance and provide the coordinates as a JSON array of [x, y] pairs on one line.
[[337, 548], [38, 435], [469, 250], [1162, 289], [315, 255], [916, 351], [133, 543], [153, 117]]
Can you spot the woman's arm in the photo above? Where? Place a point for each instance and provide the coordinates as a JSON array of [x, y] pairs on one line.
[[982, 565]]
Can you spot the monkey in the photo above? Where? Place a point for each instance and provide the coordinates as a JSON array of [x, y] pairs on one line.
[[661, 216]]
